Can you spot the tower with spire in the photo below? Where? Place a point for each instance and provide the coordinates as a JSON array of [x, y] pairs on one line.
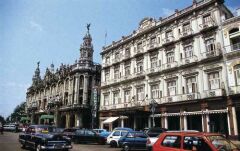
[[36, 77], [86, 48]]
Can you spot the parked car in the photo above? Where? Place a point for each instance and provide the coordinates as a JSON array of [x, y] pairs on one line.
[[118, 132], [133, 140], [88, 136], [193, 141], [42, 137], [11, 127], [153, 134], [100, 130], [152, 140], [69, 132]]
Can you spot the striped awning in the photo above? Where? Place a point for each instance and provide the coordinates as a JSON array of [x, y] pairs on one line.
[[110, 120]]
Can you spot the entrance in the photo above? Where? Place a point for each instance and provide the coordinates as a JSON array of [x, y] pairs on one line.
[[173, 123], [72, 120], [63, 121], [218, 123], [194, 122]]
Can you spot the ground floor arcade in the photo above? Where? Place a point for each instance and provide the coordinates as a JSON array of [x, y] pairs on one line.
[[216, 115]]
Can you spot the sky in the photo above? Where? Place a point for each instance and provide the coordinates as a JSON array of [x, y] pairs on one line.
[[51, 31]]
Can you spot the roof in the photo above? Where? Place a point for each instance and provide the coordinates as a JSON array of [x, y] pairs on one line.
[[192, 133]]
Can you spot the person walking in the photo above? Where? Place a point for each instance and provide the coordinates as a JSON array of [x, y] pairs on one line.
[[1, 127]]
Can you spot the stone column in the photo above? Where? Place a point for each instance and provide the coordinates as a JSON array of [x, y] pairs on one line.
[[56, 117], [78, 120], [149, 121], [207, 122], [166, 122], [235, 126], [85, 89], [135, 122], [185, 122], [67, 120], [69, 92], [76, 90], [122, 122], [32, 118]]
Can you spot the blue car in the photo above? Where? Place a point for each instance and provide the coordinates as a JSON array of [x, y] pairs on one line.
[[133, 140]]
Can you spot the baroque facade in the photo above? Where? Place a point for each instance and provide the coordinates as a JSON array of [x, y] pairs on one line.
[[176, 64], [67, 97]]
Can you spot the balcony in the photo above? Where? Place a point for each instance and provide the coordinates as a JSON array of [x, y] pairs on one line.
[[189, 60], [139, 51], [233, 50], [187, 33], [138, 74], [116, 60], [234, 90], [168, 40], [34, 105], [126, 56], [127, 77], [169, 99], [209, 25], [152, 46], [154, 70], [213, 93], [190, 96], [168, 66], [213, 53], [106, 64]]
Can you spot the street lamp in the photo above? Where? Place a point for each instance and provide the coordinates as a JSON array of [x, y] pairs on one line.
[[152, 106]]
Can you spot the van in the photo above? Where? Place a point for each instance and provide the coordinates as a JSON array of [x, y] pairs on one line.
[[118, 132]]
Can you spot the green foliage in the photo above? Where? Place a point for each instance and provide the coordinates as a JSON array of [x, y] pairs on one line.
[[18, 112], [2, 120]]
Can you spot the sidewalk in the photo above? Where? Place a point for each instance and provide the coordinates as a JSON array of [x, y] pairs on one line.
[[236, 143]]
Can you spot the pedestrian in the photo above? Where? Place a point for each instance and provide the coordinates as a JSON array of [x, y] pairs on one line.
[[1, 127]]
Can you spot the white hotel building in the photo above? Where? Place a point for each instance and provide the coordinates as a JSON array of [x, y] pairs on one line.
[[182, 63]]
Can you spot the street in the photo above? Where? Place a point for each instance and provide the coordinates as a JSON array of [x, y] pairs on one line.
[[9, 142]]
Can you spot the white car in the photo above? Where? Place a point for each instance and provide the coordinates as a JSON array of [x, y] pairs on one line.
[[113, 138]]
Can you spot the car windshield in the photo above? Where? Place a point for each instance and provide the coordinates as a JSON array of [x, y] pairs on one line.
[[221, 143], [45, 129]]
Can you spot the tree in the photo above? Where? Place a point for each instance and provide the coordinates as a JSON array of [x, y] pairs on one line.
[[2, 120], [18, 112]]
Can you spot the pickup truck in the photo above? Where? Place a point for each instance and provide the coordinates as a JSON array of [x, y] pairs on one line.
[[44, 137]]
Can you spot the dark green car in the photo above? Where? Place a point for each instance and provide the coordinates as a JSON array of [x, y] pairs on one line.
[[44, 137]]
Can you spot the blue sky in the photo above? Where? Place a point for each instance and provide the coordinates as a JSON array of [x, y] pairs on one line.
[[51, 31]]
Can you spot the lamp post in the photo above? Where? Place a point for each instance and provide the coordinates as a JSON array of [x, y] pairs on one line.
[[152, 107]]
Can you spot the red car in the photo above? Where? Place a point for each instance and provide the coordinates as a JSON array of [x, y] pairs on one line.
[[193, 141]]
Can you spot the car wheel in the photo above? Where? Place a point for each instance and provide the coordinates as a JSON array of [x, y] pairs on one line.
[[126, 147], [38, 148], [23, 146], [113, 144]]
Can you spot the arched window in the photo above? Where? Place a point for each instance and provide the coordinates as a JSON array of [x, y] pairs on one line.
[[237, 74], [233, 30]]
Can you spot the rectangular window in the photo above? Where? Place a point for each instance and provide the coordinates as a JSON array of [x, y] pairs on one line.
[[207, 19], [127, 96], [191, 85], [154, 61], [186, 27], [107, 75], [117, 55], [155, 91], [237, 74], [115, 97], [169, 34], [170, 57], [139, 66], [140, 94], [127, 68], [106, 99], [107, 59], [139, 46], [127, 52], [210, 45], [214, 80], [152, 41], [116, 73], [188, 51], [171, 85]]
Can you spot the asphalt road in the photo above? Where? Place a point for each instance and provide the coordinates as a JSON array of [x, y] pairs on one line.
[[9, 142]]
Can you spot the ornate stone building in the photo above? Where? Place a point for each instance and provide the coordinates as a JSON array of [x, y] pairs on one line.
[[68, 96], [178, 63]]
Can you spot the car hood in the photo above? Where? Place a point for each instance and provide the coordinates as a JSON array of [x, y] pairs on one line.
[[49, 135]]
